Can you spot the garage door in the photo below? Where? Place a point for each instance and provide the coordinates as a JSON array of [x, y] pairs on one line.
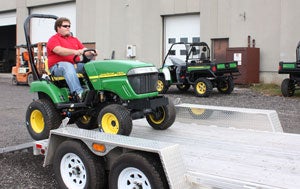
[[181, 28], [8, 18], [42, 29]]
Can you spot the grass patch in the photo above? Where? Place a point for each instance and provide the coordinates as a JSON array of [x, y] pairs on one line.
[[267, 89]]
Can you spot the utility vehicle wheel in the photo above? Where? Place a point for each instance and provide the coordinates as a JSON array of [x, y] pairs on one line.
[[29, 79], [225, 86], [87, 122], [162, 117], [183, 87], [203, 87], [162, 85], [135, 170], [115, 119], [14, 80], [76, 167], [200, 113], [41, 117], [288, 87]]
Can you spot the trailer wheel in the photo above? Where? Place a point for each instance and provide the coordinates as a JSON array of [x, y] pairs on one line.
[[115, 119], [225, 86], [162, 117], [135, 170], [203, 87], [87, 122], [162, 85], [288, 87], [183, 87], [76, 167], [41, 117]]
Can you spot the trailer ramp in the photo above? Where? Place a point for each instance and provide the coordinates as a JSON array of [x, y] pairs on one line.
[[220, 154]]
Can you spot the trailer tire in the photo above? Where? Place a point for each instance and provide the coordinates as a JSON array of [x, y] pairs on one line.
[[162, 117], [75, 166], [137, 170], [41, 117], [203, 87], [115, 119], [288, 87]]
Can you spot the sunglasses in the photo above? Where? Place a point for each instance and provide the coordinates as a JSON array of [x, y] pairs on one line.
[[66, 26]]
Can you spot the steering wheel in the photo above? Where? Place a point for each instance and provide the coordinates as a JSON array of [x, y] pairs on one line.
[[84, 58]]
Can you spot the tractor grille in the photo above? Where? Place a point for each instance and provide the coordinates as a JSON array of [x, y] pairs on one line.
[[143, 83]]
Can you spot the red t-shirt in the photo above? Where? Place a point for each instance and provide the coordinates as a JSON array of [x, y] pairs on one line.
[[66, 42]]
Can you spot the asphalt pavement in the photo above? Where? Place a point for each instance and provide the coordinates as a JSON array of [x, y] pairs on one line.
[[23, 170]]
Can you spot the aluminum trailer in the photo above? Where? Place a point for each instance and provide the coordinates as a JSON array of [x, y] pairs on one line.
[[188, 155]]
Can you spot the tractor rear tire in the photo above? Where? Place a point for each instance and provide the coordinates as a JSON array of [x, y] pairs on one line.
[[203, 87], [115, 119], [162, 117], [41, 117], [288, 87]]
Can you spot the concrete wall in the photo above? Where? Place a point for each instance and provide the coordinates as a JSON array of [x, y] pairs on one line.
[[113, 24]]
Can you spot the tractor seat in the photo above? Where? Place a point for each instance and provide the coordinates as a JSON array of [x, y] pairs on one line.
[[57, 78]]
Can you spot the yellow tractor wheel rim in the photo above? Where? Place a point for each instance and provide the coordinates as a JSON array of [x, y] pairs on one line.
[[160, 120], [37, 121], [160, 86], [225, 88], [110, 123], [201, 88]]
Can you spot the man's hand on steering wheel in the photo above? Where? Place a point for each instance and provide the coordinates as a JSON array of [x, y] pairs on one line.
[[85, 54]]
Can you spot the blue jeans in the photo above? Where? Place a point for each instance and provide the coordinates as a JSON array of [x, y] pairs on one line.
[[68, 71]]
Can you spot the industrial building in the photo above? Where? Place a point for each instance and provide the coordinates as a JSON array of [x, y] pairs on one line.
[[256, 33]]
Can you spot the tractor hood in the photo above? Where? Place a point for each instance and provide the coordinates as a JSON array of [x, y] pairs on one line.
[[113, 68], [127, 78]]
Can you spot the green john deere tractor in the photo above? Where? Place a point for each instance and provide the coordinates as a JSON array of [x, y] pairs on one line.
[[291, 84], [117, 92]]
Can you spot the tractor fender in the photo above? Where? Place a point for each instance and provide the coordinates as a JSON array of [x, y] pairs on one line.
[[56, 94]]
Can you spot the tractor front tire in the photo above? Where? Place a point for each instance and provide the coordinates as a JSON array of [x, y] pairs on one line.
[[162, 117], [41, 117], [288, 87], [115, 119]]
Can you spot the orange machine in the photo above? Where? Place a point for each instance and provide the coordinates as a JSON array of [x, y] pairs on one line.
[[22, 72]]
